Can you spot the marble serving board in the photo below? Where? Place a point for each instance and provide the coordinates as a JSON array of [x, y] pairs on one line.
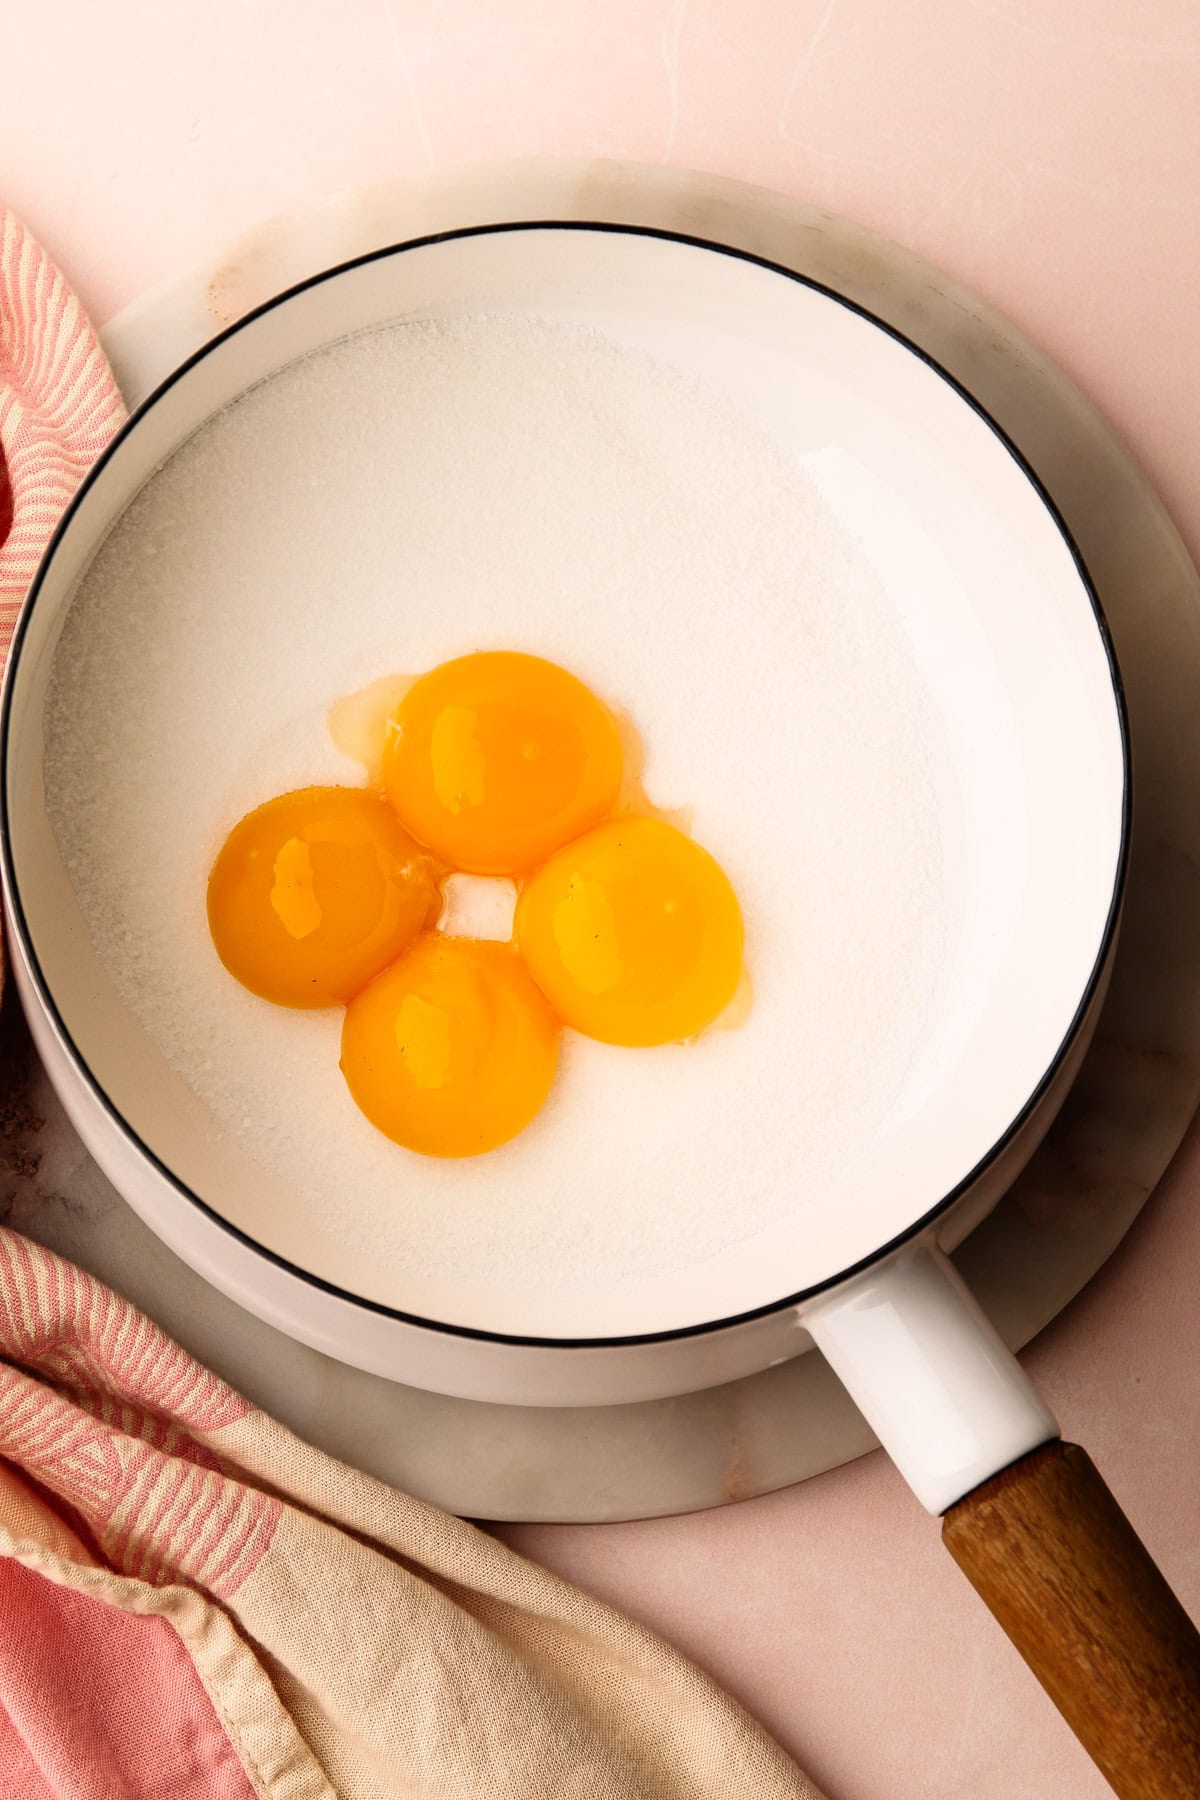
[[1138, 1087]]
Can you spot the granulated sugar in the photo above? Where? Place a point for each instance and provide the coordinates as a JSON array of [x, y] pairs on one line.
[[431, 489]]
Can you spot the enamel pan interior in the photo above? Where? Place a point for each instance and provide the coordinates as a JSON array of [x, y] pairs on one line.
[[1015, 659]]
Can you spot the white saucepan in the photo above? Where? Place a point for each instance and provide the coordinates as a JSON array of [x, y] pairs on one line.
[[1034, 798]]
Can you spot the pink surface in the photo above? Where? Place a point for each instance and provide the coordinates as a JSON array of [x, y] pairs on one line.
[[99, 1704], [1049, 155]]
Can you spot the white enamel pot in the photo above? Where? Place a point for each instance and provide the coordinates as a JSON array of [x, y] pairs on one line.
[[1018, 662]]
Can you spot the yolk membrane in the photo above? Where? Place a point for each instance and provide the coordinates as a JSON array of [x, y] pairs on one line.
[[497, 759], [451, 1050], [633, 933], [314, 893]]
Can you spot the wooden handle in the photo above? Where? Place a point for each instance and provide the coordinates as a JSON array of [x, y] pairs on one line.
[[1070, 1581]]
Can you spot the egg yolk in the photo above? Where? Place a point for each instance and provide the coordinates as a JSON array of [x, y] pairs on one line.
[[452, 1050], [495, 764], [314, 893], [496, 760], [633, 933]]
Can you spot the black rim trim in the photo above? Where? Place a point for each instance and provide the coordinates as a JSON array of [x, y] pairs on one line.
[[703, 1327]]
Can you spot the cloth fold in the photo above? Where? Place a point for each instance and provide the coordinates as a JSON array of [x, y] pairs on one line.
[[193, 1602]]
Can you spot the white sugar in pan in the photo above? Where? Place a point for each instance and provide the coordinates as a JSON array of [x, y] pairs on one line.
[[532, 486], [838, 657]]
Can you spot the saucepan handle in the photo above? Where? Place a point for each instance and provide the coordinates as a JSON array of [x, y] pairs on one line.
[[1063, 1571], [1027, 1517]]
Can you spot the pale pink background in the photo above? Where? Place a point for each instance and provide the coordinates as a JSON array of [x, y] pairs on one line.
[[1045, 151]]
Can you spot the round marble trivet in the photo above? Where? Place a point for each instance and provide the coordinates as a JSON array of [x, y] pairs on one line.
[[1138, 1087]]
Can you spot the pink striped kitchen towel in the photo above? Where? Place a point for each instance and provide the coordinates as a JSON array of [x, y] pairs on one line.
[[59, 406], [195, 1605]]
